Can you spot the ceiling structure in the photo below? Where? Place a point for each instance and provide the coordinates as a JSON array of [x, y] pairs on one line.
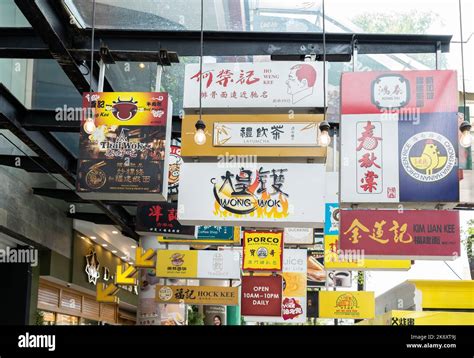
[[134, 32]]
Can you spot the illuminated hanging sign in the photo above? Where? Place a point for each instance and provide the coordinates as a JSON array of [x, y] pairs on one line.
[[175, 162], [346, 304], [263, 194], [263, 250], [399, 137], [254, 85], [124, 146], [198, 295]]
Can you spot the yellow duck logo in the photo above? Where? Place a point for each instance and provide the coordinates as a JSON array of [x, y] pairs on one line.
[[430, 159]]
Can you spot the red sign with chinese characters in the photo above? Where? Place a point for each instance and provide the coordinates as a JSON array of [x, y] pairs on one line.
[[407, 234], [398, 91], [382, 92], [261, 296]]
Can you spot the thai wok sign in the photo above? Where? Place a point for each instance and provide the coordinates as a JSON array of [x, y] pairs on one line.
[[270, 194], [124, 146], [409, 234], [399, 137], [254, 85]]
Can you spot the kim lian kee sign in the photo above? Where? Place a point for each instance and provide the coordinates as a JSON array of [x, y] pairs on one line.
[[278, 134]]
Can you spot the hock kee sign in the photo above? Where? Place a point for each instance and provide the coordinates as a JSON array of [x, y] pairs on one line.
[[276, 134], [255, 85], [399, 138], [270, 194], [409, 234], [124, 146]]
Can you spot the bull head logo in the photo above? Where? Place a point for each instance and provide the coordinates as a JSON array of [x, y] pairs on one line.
[[124, 110]]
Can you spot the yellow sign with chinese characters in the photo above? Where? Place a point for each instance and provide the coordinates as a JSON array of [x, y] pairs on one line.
[[263, 251], [176, 263], [217, 134], [336, 259], [346, 304], [198, 295], [422, 318]]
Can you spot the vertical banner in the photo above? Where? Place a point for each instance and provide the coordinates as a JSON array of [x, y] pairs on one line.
[[124, 146], [261, 296], [263, 250], [175, 162], [399, 137], [331, 221]]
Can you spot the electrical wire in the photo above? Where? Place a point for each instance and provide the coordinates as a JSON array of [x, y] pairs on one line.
[[324, 59], [452, 270], [462, 61], [200, 59], [92, 46]]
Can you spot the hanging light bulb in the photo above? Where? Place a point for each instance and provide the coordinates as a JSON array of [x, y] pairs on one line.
[[89, 125], [466, 136], [324, 138], [200, 136]]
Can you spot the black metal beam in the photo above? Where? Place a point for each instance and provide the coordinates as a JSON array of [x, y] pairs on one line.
[[52, 152], [54, 29], [143, 45], [22, 43], [31, 165], [99, 219]]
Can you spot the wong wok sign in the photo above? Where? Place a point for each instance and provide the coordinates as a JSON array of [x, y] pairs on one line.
[[410, 234], [255, 85], [270, 194]]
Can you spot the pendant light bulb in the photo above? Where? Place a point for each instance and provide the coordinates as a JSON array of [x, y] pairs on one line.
[[200, 135]]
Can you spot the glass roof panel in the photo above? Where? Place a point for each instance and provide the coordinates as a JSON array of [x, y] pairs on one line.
[[11, 16], [369, 16]]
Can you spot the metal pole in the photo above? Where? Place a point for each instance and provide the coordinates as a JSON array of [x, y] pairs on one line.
[[100, 87], [159, 72], [438, 54]]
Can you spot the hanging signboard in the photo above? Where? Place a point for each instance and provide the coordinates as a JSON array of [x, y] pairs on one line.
[[261, 296], [263, 250], [399, 137], [331, 221], [197, 264], [407, 234], [124, 146], [294, 306], [275, 135], [260, 194], [298, 236], [161, 218], [175, 162], [337, 259], [271, 134], [198, 295], [211, 235], [317, 274], [346, 304], [277, 84]]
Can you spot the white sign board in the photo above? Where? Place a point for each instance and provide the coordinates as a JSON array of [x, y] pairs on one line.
[[255, 85], [298, 235], [368, 142], [294, 289], [218, 265], [259, 194], [276, 134]]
